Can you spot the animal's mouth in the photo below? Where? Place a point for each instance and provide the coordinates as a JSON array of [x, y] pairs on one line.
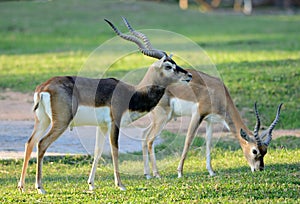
[[187, 80], [190, 77]]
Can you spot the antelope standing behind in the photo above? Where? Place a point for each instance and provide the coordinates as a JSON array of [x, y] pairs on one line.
[[105, 103], [205, 98]]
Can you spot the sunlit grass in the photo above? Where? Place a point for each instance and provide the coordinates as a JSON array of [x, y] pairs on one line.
[[65, 178]]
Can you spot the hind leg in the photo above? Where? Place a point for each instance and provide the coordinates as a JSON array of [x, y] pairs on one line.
[[193, 127], [38, 131], [156, 130], [160, 117], [56, 130]]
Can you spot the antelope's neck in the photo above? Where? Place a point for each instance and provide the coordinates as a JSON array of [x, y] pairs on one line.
[[151, 78], [234, 120], [148, 92], [146, 98]]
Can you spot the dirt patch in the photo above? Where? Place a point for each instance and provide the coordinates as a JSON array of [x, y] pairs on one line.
[[16, 106]]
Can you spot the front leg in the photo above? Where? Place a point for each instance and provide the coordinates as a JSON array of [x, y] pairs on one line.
[[99, 145], [209, 129], [145, 152], [114, 140]]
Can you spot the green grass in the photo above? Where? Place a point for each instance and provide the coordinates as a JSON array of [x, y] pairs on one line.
[[65, 178]]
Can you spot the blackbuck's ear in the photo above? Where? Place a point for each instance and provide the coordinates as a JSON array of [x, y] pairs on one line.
[[244, 135]]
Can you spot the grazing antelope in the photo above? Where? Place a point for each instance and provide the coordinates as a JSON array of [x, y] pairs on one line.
[[106, 103], [205, 98]]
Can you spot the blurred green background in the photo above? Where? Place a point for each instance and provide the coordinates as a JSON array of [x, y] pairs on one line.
[[257, 56]]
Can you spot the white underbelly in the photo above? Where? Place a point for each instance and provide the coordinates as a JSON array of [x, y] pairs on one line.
[[188, 108], [91, 116], [131, 116], [182, 107], [95, 116], [214, 118]]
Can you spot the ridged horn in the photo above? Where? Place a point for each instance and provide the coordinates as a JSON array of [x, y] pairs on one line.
[[272, 126], [138, 34], [151, 53], [257, 126]]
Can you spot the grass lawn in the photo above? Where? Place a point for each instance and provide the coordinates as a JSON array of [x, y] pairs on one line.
[[258, 58], [65, 178]]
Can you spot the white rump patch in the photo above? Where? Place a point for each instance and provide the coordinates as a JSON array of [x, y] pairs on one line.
[[44, 101]]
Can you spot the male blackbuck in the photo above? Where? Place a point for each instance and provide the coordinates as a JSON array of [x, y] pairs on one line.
[[106, 103], [205, 98]]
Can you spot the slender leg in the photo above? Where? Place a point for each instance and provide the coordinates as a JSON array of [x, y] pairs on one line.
[[56, 130], [153, 159], [114, 139], [209, 128], [145, 152], [99, 145], [38, 131], [193, 127], [160, 119]]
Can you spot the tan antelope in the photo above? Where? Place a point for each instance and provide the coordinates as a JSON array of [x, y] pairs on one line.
[[106, 103], [205, 98]]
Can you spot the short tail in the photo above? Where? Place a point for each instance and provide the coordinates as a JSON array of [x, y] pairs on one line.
[[36, 98]]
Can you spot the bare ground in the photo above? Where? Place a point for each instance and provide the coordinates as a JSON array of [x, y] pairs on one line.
[[17, 120]]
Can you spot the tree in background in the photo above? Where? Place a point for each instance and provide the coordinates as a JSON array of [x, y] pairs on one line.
[[243, 5], [239, 5]]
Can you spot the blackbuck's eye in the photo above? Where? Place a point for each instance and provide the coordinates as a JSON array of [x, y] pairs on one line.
[[168, 67], [254, 151]]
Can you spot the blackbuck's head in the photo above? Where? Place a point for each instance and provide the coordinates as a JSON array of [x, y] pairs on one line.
[[256, 145], [166, 69]]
